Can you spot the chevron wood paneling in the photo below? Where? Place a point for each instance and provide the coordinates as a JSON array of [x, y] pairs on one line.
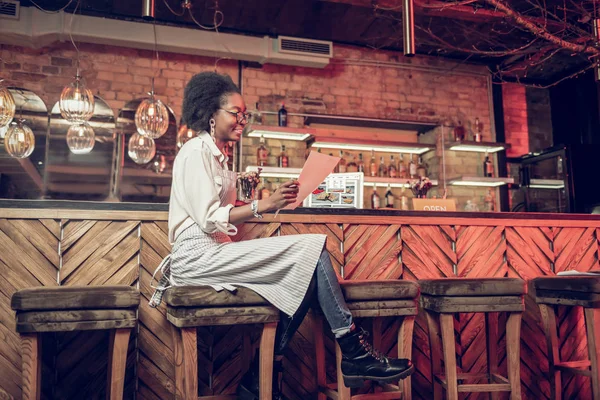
[[28, 257], [35, 252], [372, 252]]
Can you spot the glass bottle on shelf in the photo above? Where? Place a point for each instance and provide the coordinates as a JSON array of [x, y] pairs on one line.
[[361, 164], [488, 167], [421, 168], [257, 116], [412, 168], [351, 166], [264, 192], [401, 167], [373, 164], [478, 130], [403, 199], [383, 171], [375, 200], [262, 154], [282, 160], [459, 132], [282, 115], [389, 198], [342, 164], [392, 172]]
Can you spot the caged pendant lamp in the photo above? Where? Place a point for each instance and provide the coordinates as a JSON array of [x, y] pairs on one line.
[[7, 106], [19, 141]]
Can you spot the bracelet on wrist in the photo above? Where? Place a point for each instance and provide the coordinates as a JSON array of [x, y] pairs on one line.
[[254, 208]]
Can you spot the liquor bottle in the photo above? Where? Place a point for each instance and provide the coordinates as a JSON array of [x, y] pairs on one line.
[[478, 130], [421, 168], [282, 115], [361, 164], [489, 200], [383, 171], [373, 164], [262, 154], [342, 164], [375, 200], [412, 168], [389, 198], [264, 191], [402, 167], [282, 160], [257, 116], [392, 172], [403, 199], [488, 167], [352, 166], [459, 132]]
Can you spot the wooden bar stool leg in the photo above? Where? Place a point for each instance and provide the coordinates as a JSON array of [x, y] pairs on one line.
[[405, 343], [513, 353], [31, 349], [189, 339], [342, 390], [592, 317], [550, 330], [117, 360], [449, 349], [266, 354], [435, 350], [178, 361], [491, 337], [320, 357]]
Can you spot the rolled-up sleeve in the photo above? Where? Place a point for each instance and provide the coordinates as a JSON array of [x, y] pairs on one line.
[[198, 186]]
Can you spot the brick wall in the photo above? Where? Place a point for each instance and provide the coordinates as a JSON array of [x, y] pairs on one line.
[[358, 82]]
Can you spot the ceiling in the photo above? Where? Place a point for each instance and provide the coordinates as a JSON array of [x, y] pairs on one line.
[[475, 32]]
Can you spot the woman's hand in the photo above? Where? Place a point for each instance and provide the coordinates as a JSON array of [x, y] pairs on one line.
[[286, 194]]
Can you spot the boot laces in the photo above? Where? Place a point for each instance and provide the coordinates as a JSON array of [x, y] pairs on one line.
[[369, 348]]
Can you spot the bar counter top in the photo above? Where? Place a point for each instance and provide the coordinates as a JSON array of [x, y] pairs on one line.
[[50, 243]]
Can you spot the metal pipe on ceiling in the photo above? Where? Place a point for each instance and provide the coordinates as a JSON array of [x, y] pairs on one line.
[[408, 27], [148, 7]]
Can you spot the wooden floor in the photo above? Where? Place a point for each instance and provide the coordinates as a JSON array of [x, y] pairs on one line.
[[94, 248]]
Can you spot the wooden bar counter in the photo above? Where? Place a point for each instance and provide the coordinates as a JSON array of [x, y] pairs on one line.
[[49, 243]]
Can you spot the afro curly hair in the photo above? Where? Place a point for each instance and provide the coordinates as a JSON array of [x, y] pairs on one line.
[[204, 94]]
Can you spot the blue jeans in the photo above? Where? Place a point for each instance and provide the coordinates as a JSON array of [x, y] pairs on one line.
[[326, 288]]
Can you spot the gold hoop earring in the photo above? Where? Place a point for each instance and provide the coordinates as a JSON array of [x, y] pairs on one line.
[[212, 128]]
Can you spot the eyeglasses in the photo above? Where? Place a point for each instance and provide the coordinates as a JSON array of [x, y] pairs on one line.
[[240, 116]]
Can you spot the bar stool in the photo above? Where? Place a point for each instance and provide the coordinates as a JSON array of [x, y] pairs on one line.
[[441, 298], [75, 308], [189, 307], [582, 291], [372, 299]]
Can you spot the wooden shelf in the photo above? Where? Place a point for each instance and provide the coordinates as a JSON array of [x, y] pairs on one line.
[[393, 182], [478, 147], [480, 181], [367, 146]]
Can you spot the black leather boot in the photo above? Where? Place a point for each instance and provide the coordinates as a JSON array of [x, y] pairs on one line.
[[361, 362], [248, 388]]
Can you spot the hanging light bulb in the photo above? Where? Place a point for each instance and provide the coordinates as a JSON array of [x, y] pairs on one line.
[[152, 116], [183, 136], [81, 138], [19, 140], [7, 105], [159, 164], [76, 101], [141, 149]]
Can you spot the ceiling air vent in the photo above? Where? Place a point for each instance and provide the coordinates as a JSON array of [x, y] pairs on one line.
[[305, 47], [9, 9]]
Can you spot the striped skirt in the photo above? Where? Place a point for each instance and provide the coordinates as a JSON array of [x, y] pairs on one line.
[[278, 268]]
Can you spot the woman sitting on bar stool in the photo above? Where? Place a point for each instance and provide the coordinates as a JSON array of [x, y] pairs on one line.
[[286, 270]]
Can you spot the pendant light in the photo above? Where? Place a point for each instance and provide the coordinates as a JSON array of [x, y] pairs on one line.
[[159, 164], [183, 136], [81, 138], [141, 149], [19, 141], [7, 106], [152, 116]]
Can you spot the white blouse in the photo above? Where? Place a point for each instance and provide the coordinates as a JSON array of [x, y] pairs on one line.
[[197, 182]]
